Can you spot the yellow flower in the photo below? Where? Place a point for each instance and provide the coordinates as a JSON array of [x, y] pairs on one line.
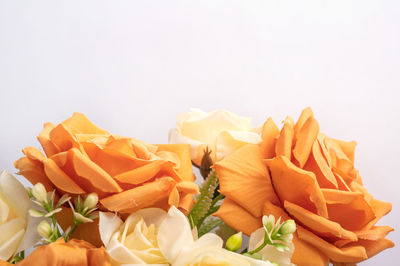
[[221, 131]]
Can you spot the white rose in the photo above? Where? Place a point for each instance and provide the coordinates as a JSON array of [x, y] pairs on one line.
[[270, 252], [135, 240], [177, 244], [17, 228], [221, 131]]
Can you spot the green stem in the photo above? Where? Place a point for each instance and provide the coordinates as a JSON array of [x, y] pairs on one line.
[[71, 231], [266, 242]]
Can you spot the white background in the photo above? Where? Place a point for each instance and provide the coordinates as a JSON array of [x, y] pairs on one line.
[[131, 66]]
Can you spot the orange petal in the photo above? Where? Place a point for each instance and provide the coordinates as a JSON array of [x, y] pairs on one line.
[[372, 247], [285, 140], [319, 166], [34, 154], [90, 171], [305, 139], [304, 253], [44, 138], [237, 217], [270, 208], [33, 171], [141, 174], [345, 254], [305, 114], [73, 253], [139, 197], [348, 147], [296, 185], [79, 123], [63, 138], [183, 152], [307, 255], [245, 179], [4, 263], [87, 231], [188, 187], [186, 203], [349, 209], [375, 233], [112, 161], [60, 179], [316, 223], [173, 199], [121, 144], [380, 209], [268, 135]]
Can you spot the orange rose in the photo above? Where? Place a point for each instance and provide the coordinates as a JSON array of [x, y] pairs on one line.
[[126, 173], [73, 253], [301, 174]]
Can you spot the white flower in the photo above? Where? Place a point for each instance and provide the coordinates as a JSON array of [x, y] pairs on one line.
[[151, 236], [270, 252], [17, 228], [135, 240], [176, 242], [221, 131]]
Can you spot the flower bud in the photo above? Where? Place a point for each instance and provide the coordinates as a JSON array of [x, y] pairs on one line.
[[82, 219], [234, 242], [39, 192], [206, 163], [91, 201], [44, 229], [288, 227], [268, 222]]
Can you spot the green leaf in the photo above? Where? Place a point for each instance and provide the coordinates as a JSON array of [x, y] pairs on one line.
[[209, 224], [205, 200]]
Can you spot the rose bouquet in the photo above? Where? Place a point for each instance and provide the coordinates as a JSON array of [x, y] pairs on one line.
[[268, 196]]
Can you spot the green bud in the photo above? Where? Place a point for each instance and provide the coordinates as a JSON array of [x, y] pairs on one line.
[[234, 242], [288, 227]]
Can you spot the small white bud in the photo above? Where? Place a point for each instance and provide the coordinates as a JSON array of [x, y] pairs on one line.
[[288, 227], [268, 222], [91, 201], [82, 219], [39, 192], [44, 229]]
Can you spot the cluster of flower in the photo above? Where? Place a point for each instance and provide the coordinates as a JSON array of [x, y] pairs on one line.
[[103, 199]]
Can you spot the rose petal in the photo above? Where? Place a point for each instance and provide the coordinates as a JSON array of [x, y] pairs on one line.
[[237, 217], [92, 172], [139, 197], [285, 140], [252, 191], [297, 186], [60, 179], [346, 254], [318, 224], [269, 134], [305, 139], [174, 234]]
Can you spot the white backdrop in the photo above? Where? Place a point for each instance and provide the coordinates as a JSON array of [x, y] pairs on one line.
[[131, 66]]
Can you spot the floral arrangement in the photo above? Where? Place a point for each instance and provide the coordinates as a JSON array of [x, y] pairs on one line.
[[266, 196]]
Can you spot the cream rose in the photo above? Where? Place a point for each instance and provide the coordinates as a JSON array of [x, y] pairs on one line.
[[152, 236], [135, 240], [221, 131], [17, 228]]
